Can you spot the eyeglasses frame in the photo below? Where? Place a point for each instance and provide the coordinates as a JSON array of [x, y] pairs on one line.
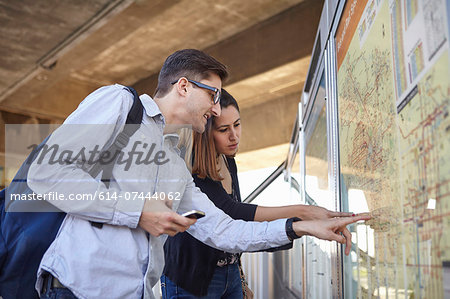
[[217, 93]]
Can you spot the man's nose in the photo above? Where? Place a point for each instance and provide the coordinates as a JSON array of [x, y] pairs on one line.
[[216, 110]]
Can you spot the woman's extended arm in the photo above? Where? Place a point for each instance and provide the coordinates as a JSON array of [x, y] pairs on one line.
[[249, 212], [304, 212]]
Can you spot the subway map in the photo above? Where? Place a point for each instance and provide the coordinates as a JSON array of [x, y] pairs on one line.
[[394, 138]]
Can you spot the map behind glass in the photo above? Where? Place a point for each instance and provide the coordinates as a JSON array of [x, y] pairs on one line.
[[394, 136]]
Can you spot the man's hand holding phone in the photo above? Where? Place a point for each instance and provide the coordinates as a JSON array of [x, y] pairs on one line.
[[157, 218], [194, 214]]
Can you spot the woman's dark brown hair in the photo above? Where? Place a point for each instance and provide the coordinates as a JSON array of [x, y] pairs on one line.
[[204, 149]]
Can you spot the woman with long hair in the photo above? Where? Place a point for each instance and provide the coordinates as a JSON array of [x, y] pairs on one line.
[[193, 269]]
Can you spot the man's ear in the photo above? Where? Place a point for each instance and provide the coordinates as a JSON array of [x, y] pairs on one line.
[[181, 86]]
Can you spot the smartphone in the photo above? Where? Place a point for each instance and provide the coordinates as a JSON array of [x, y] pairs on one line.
[[194, 214]]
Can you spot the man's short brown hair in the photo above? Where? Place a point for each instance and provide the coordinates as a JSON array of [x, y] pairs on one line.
[[190, 63]]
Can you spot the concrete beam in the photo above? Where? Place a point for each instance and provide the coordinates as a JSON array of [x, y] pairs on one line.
[[268, 124], [54, 103], [281, 39], [78, 56]]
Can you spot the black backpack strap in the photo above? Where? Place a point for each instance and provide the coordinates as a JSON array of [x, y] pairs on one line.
[[137, 110], [134, 117], [132, 124]]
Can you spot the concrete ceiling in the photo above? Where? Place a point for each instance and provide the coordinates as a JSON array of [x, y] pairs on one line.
[[53, 53]]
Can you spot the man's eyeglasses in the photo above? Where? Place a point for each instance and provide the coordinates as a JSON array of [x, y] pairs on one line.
[[214, 98]]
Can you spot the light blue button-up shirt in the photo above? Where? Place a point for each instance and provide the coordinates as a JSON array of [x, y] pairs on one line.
[[121, 260]]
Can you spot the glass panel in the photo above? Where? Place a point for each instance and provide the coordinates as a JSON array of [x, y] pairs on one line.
[[394, 138], [278, 273], [318, 261]]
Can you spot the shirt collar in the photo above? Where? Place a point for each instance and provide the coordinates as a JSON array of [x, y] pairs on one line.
[[152, 110], [150, 106]]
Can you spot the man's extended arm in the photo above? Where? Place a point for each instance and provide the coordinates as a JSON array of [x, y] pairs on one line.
[[218, 230]]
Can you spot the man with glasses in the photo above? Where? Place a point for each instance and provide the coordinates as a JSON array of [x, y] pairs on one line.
[[123, 258], [205, 90]]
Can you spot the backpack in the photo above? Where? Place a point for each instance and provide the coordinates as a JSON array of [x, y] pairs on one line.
[[26, 236]]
